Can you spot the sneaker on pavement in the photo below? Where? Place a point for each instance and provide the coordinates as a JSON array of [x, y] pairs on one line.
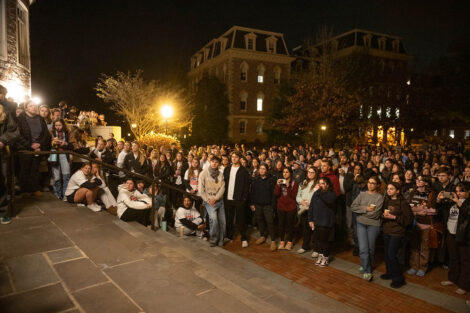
[[273, 246], [314, 254], [260, 240], [5, 220], [301, 250], [80, 204], [244, 244], [360, 269], [411, 271], [212, 243], [320, 258], [446, 283], [367, 276], [289, 246], [281, 245], [460, 292], [324, 261], [420, 273], [94, 207]]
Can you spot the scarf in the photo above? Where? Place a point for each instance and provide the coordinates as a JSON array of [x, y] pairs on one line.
[[214, 174]]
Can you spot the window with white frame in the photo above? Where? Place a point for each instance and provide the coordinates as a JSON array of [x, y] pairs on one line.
[[277, 75], [259, 102], [452, 133], [367, 40], [3, 32], [397, 112], [261, 69], [22, 31], [379, 112], [388, 112], [396, 45], [242, 127], [467, 134], [382, 43], [369, 114], [250, 41], [271, 44], [259, 127]]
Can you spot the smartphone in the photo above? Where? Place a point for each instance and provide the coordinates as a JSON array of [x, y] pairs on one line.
[[447, 194]]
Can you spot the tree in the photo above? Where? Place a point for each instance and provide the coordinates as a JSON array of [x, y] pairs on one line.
[[210, 124], [138, 100]]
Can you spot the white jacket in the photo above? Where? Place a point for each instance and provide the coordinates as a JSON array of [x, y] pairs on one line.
[[77, 179], [190, 214], [124, 200]]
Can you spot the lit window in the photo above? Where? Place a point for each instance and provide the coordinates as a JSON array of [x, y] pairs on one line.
[[260, 79], [452, 133], [467, 134], [436, 132], [388, 112], [369, 114], [259, 104], [23, 36], [360, 111], [379, 112], [242, 127], [397, 112], [261, 69]]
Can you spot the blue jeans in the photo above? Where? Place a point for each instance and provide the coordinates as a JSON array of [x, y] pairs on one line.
[[62, 167], [366, 235], [216, 221], [392, 245]]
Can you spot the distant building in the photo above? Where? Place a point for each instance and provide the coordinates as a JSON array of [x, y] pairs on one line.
[[252, 63], [15, 61], [387, 81]]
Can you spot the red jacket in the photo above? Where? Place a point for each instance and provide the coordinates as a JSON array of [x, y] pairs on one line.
[[286, 196], [334, 181]]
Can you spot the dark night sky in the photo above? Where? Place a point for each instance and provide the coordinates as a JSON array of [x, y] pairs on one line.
[[72, 42]]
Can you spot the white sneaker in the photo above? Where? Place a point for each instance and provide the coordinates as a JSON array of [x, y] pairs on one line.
[[94, 207], [314, 254], [446, 283], [244, 244], [80, 204], [319, 260], [301, 250]]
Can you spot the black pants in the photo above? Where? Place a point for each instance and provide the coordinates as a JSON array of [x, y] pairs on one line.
[[265, 219], [29, 172], [392, 244], [322, 242], [141, 216], [177, 197], [286, 224], [235, 209], [306, 232], [459, 263]]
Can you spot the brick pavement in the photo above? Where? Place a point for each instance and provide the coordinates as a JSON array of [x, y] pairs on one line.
[[341, 286]]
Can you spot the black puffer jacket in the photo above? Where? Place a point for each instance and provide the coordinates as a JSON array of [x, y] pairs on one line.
[[463, 224]]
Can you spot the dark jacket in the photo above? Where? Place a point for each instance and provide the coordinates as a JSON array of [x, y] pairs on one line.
[[286, 196], [299, 175], [133, 164], [242, 183], [183, 170], [402, 210], [322, 209], [348, 184], [463, 224], [262, 189], [8, 130], [107, 156], [164, 173], [24, 142], [443, 207]]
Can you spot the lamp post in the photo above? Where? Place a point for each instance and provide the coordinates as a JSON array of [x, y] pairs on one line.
[[323, 128], [167, 112]]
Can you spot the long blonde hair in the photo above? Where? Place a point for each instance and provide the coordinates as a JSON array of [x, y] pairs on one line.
[[2, 114], [306, 181]]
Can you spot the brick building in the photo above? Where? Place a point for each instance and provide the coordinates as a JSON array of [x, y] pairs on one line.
[[387, 81], [15, 62], [252, 63]]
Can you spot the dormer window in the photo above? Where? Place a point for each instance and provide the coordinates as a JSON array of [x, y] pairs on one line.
[[206, 53], [261, 69], [367, 40], [271, 44], [396, 45], [382, 43], [250, 41]]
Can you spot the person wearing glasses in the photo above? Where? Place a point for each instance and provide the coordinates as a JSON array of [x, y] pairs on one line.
[[368, 209], [422, 202]]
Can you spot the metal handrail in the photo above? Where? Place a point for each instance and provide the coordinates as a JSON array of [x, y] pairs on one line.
[[147, 179]]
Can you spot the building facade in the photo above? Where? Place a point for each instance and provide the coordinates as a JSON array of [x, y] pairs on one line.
[[387, 78], [15, 61], [252, 63]]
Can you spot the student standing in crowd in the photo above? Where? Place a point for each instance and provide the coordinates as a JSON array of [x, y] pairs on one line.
[[321, 217], [61, 166], [211, 190], [261, 201], [179, 169], [304, 196], [34, 136], [80, 145], [236, 194], [396, 218], [368, 209], [286, 193]]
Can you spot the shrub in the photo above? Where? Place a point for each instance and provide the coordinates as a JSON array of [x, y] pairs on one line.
[[158, 140]]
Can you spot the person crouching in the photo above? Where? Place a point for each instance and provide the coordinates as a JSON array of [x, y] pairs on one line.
[[188, 220], [83, 188], [132, 205]]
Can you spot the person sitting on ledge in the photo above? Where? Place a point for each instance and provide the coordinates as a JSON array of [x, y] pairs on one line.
[[188, 221], [132, 204], [83, 188]]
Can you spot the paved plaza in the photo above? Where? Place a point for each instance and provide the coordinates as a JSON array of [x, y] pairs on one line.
[[57, 257]]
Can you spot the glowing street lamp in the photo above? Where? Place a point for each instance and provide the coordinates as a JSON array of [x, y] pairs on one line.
[[134, 125], [323, 129], [36, 100], [167, 112]]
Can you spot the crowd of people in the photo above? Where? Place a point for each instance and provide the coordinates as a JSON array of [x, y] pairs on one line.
[[414, 198]]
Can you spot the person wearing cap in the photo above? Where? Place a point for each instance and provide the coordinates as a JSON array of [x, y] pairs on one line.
[[34, 137], [298, 172]]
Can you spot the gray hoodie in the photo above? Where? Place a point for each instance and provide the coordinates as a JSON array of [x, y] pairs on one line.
[[360, 204]]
